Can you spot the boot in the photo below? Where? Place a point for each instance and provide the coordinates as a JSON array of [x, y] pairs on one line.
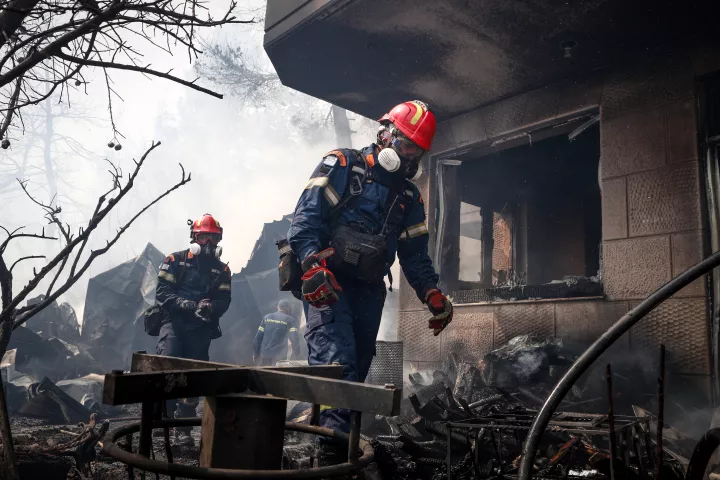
[[183, 437]]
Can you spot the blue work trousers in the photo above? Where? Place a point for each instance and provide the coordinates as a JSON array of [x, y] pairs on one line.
[[175, 340], [345, 333]]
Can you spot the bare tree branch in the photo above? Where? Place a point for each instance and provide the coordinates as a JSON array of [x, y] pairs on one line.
[[146, 70], [47, 44], [24, 258], [89, 228], [19, 235], [11, 107], [96, 253]]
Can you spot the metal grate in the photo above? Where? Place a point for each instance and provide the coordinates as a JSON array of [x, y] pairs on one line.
[[387, 365], [418, 345]]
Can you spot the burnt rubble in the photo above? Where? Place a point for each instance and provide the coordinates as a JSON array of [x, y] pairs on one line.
[[470, 421]]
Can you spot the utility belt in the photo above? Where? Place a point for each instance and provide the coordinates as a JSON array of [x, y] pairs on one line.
[[362, 256], [358, 255]]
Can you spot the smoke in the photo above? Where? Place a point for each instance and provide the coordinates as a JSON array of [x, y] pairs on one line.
[[528, 364], [248, 165]]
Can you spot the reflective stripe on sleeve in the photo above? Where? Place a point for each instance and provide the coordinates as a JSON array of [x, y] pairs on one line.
[[261, 329], [331, 195], [414, 231], [293, 329], [328, 191], [224, 286], [317, 182], [166, 276], [326, 407]]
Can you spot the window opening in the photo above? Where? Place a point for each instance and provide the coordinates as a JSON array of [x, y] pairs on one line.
[[524, 223]]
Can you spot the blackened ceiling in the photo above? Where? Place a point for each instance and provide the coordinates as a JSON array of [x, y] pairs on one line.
[[459, 55]]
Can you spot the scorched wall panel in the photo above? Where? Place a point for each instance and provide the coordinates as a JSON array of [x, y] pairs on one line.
[[651, 198]]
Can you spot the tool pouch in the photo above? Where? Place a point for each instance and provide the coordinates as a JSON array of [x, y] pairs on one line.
[[358, 255], [154, 317], [289, 269]]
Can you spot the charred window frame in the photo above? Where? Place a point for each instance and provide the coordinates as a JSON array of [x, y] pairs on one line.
[[709, 139], [523, 222]]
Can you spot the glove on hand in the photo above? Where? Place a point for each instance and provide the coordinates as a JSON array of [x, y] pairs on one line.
[[184, 304], [441, 308], [204, 309], [319, 286]]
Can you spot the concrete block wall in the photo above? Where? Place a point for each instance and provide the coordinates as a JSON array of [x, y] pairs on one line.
[[651, 207], [478, 329], [652, 226]]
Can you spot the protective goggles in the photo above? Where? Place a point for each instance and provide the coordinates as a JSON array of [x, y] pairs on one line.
[[406, 148], [205, 238]]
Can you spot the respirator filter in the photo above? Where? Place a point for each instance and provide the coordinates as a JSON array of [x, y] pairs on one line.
[[389, 160]]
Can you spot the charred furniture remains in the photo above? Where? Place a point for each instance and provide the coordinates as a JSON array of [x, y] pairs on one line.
[[244, 416]]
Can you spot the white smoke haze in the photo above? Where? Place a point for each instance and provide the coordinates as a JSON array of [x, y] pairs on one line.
[[249, 165]]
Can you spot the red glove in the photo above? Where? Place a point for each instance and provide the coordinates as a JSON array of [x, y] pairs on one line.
[[319, 286], [441, 308]]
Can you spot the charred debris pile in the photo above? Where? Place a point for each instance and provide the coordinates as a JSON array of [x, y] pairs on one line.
[[470, 420], [51, 374]]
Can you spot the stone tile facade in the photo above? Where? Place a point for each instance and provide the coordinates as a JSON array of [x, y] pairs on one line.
[[651, 212]]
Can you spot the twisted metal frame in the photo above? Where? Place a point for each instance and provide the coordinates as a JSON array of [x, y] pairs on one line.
[[116, 452]]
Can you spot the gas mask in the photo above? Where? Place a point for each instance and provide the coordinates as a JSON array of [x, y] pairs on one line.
[[203, 245], [399, 154], [389, 159], [206, 250]]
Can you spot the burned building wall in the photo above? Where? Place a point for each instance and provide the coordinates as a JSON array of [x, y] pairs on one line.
[[652, 224]]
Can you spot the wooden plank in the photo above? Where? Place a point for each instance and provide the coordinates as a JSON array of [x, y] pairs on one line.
[[337, 393], [143, 362], [127, 388], [123, 388]]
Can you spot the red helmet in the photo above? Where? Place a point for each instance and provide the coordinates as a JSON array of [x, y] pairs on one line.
[[415, 120], [207, 224]]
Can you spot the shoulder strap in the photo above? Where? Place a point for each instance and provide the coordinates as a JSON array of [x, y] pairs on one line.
[[358, 174], [182, 267]]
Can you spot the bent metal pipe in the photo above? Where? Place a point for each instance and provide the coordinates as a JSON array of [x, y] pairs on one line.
[[596, 349]]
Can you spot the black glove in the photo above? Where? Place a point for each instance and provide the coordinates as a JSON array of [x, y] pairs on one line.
[[204, 309], [184, 304]]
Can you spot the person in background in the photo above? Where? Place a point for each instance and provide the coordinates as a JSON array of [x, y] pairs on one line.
[[271, 339], [194, 292]]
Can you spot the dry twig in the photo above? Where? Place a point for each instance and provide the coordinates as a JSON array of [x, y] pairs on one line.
[[46, 45], [12, 317]]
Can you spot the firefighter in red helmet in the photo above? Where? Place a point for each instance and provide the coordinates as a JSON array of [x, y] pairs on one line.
[[358, 210], [194, 292]]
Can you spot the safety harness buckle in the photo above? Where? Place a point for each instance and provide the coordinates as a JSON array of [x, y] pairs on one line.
[[355, 185]]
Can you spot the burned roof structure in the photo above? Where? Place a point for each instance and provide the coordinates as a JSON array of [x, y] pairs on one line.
[[254, 294], [114, 306]]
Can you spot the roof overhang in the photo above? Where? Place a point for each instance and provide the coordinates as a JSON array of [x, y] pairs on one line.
[[459, 55]]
